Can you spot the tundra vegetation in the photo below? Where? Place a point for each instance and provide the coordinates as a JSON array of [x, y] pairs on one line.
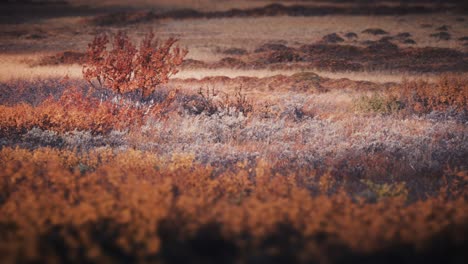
[[130, 162]]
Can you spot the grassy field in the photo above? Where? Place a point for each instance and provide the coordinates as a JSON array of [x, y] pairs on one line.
[[282, 138]]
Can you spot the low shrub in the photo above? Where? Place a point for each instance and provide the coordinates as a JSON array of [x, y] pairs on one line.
[[448, 93], [379, 103], [212, 102], [131, 206], [72, 111], [125, 68]]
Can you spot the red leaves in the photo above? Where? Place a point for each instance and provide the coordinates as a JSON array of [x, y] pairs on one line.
[[125, 68], [96, 57]]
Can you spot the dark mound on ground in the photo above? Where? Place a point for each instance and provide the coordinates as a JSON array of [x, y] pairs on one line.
[[375, 31], [386, 39], [280, 56], [404, 38], [403, 35], [443, 28], [441, 35], [272, 47], [409, 41], [319, 50], [351, 35], [386, 55], [332, 38], [235, 51], [377, 55], [383, 45]]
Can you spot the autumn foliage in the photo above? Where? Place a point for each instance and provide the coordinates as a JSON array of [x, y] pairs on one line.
[[226, 187], [126, 68], [72, 111], [131, 206], [447, 93]]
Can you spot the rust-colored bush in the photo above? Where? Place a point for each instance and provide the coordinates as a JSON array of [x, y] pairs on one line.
[[449, 92], [125, 68], [72, 111]]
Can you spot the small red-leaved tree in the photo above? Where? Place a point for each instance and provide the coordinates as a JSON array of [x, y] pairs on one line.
[[125, 68]]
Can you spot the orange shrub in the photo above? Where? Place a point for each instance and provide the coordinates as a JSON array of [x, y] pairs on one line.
[[423, 97], [448, 93], [125, 68], [73, 111]]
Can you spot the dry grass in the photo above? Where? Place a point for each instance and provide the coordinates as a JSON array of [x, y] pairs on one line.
[[15, 67]]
